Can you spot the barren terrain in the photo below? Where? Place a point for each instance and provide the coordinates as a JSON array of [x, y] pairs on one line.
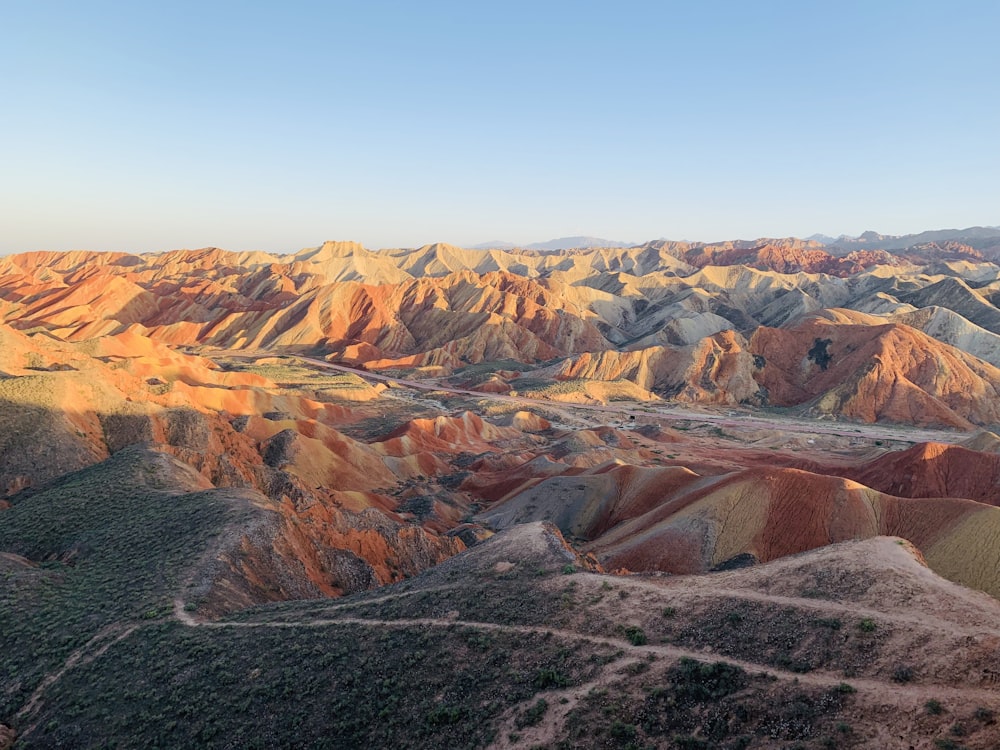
[[740, 495]]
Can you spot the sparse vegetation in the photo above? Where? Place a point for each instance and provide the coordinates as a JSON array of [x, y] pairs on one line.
[[636, 635], [291, 374], [105, 561], [116, 545], [696, 682], [902, 674], [619, 730], [534, 714], [546, 679]]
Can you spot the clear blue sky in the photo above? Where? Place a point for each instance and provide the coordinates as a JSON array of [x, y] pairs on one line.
[[148, 126]]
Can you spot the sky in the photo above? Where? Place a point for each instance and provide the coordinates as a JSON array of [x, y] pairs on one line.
[[275, 126]]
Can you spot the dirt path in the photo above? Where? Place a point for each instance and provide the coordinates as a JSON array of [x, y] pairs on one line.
[[882, 692], [830, 607], [550, 729], [945, 606], [102, 640], [676, 412]]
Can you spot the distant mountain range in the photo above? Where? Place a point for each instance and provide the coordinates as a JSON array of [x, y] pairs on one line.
[[561, 243], [823, 238], [975, 237]]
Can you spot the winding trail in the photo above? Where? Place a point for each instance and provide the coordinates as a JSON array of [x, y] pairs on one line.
[[669, 411], [93, 649], [831, 607], [887, 693]]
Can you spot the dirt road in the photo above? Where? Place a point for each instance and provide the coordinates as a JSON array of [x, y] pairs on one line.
[[675, 412]]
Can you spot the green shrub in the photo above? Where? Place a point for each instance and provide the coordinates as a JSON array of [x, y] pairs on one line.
[[902, 674], [622, 731], [440, 716], [636, 635], [690, 742], [545, 679], [867, 625], [637, 667], [534, 714], [695, 682]]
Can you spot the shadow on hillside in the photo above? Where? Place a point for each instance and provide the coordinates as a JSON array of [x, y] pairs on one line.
[[39, 444]]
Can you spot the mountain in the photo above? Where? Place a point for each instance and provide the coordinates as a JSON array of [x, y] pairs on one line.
[[679, 320], [935, 470], [561, 243], [494, 245], [889, 372], [520, 638], [680, 494], [974, 236], [570, 243]]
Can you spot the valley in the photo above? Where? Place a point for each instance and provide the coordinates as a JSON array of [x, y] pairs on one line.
[[678, 495]]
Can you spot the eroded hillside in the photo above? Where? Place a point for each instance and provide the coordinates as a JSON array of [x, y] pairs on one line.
[[675, 495]]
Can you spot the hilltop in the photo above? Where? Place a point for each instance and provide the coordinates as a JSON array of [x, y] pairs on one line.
[[676, 495], [720, 323]]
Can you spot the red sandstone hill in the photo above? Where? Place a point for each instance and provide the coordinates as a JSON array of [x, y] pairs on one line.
[[718, 369], [722, 323], [875, 372], [67, 406], [934, 470], [859, 370], [781, 255], [675, 521]]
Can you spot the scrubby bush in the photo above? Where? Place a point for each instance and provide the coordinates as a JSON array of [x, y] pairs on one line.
[[635, 635], [546, 679], [867, 625], [902, 674]]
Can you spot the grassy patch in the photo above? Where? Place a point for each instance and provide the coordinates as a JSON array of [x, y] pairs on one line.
[[112, 543], [289, 374], [325, 687]]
